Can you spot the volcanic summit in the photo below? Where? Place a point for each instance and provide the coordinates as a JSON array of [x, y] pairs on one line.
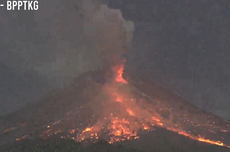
[[113, 106]]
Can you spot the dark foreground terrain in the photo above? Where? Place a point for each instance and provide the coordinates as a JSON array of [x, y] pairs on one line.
[[159, 140], [63, 145]]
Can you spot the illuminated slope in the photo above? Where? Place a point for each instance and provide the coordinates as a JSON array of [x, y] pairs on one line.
[[143, 107], [120, 109]]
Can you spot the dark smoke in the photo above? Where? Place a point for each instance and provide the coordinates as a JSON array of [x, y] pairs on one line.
[[65, 39], [50, 47]]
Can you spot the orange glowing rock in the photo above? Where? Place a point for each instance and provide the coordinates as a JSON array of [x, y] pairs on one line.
[[119, 72], [130, 112], [87, 129]]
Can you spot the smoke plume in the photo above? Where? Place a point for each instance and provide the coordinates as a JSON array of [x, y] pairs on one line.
[[65, 38]]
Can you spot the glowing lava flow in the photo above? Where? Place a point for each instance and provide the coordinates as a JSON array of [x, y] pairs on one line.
[[124, 122], [123, 112]]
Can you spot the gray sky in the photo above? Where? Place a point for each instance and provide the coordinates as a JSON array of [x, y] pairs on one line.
[[183, 45]]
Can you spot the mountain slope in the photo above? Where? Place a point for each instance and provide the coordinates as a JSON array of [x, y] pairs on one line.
[[92, 108]]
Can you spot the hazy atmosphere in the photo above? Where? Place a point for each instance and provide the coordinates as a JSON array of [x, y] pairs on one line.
[[181, 45]]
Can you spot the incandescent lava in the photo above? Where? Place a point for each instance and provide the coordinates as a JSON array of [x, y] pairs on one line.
[[126, 107]]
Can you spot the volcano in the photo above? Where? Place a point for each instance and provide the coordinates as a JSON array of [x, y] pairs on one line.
[[114, 106]]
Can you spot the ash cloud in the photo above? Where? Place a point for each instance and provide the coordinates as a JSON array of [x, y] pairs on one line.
[[64, 39]]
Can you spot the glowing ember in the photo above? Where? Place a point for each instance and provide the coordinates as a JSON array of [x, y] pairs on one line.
[[130, 112], [10, 129], [87, 129]]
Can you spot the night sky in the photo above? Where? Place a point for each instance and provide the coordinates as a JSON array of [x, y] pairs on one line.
[[181, 44]]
